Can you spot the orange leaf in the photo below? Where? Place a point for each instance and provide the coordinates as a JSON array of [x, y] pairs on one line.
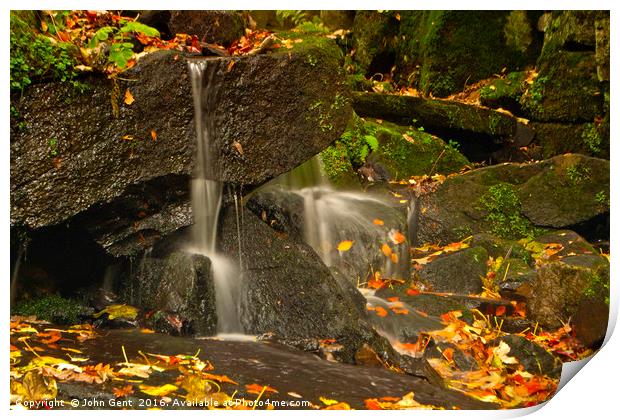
[[378, 222], [154, 135], [393, 299], [345, 246], [54, 336], [400, 311], [372, 404], [500, 310], [219, 378], [128, 98], [394, 258], [381, 311], [387, 251], [123, 392], [448, 354], [396, 237], [257, 389], [412, 292], [339, 406]]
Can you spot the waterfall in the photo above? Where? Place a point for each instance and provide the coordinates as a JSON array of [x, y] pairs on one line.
[[331, 216], [206, 195]]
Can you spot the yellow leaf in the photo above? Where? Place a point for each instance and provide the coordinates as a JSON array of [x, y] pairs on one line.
[[327, 401], [158, 391], [345, 246], [37, 387], [119, 311], [128, 98]]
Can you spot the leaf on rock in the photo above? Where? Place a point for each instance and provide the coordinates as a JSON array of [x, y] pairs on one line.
[[119, 311], [345, 246], [124, 391], [158, 391], [258, 389], [128, 98]]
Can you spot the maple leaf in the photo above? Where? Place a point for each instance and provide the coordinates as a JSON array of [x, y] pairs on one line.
[[123, 392]]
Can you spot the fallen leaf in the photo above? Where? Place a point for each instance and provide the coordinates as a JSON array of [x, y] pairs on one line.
[[128, 98], [381, 311], [345, 245], [119, 311], [328, 401], [238, 147], [396, 237], [387, 251], [158, 391], [258, 389], [378, 222], [123, 392], [154, 135], [219, 378]]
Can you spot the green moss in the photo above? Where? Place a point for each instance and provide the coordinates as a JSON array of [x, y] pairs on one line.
[[602, 199], [591, 138], [503, 209], [577, 173], [502, 90], [598, 286], [51, 308]]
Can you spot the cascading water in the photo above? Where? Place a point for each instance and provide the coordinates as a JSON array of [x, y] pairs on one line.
[[206, 194], [332, 216]]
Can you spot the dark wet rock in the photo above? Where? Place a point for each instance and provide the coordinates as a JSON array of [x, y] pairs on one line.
[[456, 272], [158, 19], [288, 290], [463, 361], [177, 290], [281, 209], [557, 192], [440, 52], [572, 243], [73, 157], [570, 30], [448, 119], [534, 358], [211, 26], [572, 285]]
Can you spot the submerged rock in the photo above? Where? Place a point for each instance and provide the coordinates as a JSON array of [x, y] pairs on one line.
[[531, 356], [127, 163]]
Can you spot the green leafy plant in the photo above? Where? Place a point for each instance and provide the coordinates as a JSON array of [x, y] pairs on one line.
[[51, 308], [503, 209], [121, 50]]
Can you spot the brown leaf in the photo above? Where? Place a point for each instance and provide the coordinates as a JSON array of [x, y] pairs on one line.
[[123, 392]]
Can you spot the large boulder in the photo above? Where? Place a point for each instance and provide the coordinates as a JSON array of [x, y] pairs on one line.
[[514, 200], [129, 161], [212, 26], [457, 272]]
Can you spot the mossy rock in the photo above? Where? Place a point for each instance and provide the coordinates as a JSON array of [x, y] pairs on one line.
[[567, 192], [570, 28], [505, 92], [418, 153], [574, 285], [53, 308], [513, 200], [440, 51], [566, 89], [374, 40]]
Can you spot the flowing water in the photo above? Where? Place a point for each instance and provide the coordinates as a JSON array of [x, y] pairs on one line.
[[332, 216], [206, 195]]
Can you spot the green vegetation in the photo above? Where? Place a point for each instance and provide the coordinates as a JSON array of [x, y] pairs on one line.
[[300, 20], [591, 138], [121, 50], [578, 173], [34, 56], [51, 308], [503, 209], [598, 285], [602, 199]]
